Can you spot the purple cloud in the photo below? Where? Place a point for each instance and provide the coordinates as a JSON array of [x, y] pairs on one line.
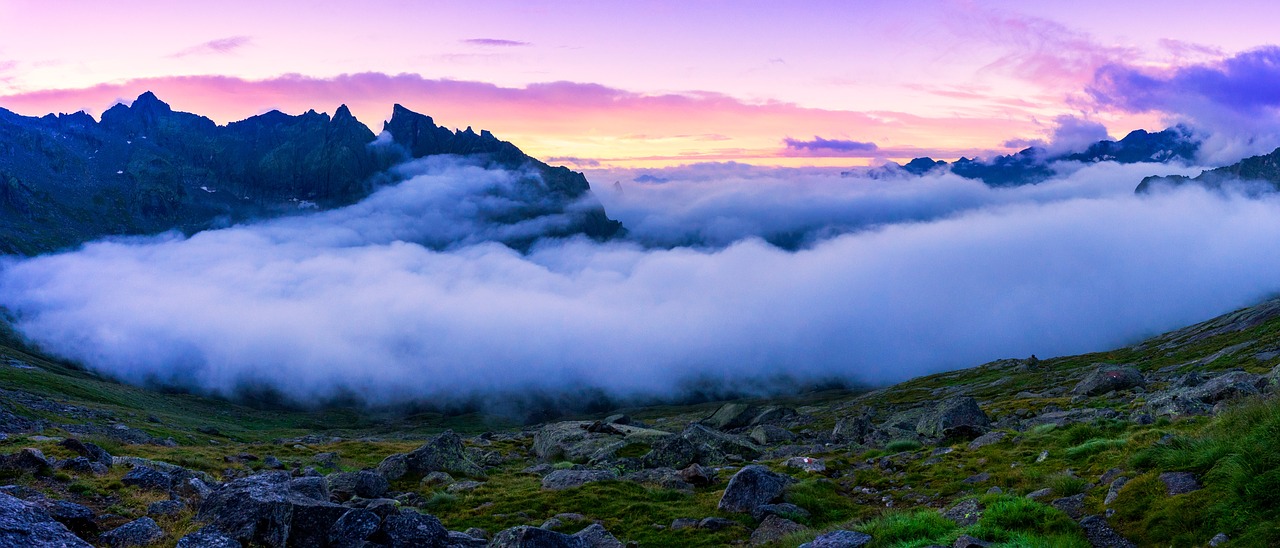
[[819, 146], [219, 46], [495, 42], [1247, 83]]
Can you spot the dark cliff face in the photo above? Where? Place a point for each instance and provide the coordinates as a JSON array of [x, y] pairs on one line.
[[146, 168]]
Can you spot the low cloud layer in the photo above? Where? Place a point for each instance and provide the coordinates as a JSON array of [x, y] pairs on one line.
[[911, 276]]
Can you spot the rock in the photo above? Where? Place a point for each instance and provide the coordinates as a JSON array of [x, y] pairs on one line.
[[716, 524], [717, 447], [270, 462], [768, 434], [978, 478], [463, 486], [436, 479], [1101, 535], [89, 451], [697, 475], [990, 438], [28, 458], [957, 417], [165, 508], [1227, 386], [839, 539], [1219, 539], [364, 484], [409, 529], [782, 509], [731, 415], [853, 429], [683, 523], [207, 537], [1109, 378], [79, 518], [25, 524], [312, 487], [662, 477], [595, 536], [1072, 506], [351, 530], [568, 479], [82, 465], [806, 464], [1178, 483], [966, 541], [1114, 490], [208, 430], [772, 529], [463, 540], [147, 479], [327, 459], [540, 469], [675, 452], [618, 419], [1039, 494], [443, 453], [964, 513], [752, 486], [532, 537], [266, 509], [575, 442], [476, 532], [139, 532]]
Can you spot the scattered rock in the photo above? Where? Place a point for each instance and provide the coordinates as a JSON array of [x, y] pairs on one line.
[[716, 524], [364, 484], [772, 529], [1178, 483], [990, 438], [89, 451], [443, 453], [25, 524], [966, 541], [568, 479], [1101, 535], [768, 434], [1219, 539], [839, 539], [79, 518], [267, 509], [782, 509], [978, 478], [753, 486], [662, 477], [806, 464], [957, 417], [356, 525], [411, 529], [207, 537], [684, 523], [165, 508], [1072, 506], [964, 513], [715, 447], [698, 475], [618, 419], [148, 479], [532, 537], [731, 415], [675, 452], [1114, 490], [595, 536], [270, 462], [463, 540], [1039, 494], [853, 429], [139, 532], [463, 486], [1109, 378]]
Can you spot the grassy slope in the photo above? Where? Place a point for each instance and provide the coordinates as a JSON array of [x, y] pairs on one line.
[[860, 495]]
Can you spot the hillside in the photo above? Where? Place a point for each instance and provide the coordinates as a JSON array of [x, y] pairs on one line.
[[1170, 444]]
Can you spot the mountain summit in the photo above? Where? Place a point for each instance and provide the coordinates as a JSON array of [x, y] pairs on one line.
[[146, 168]]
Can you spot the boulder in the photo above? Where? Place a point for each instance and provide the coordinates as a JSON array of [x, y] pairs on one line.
[[28, 458], [715, 447], [957, 417], [751, 487], [781, 509], [25, 524], [772, 529], [775, 415], [966, 541], [807, 464], [839, 539], [410, 529], [443, 453], [595, 536], [79, 518], [1072, 506], [674, 452], [964, 513], [139, 532], [265, 509], [1179, 483], [207, 537], [1114, 490], [165, 508], [666, 478], [853, 429], [89, 451], [525, 536], [731, 415], [1227, 386], [582, 441], [364, 484], [698, 475], [990, 438], [768, 434], [1109, 378], [462, 540], [147, 479], [568, 479]]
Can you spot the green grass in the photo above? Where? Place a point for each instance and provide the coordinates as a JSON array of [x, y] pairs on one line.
[[899, 446], [1094, 446]]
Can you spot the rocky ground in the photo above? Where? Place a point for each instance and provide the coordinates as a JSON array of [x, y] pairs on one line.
[[1163, 443]]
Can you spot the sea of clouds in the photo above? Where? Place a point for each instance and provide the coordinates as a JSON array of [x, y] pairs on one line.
[[403, 297]]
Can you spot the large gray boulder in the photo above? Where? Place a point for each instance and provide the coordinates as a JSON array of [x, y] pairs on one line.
[[1101, 535], [1108, 378], [410, 529], [714, 447], [957, 417], [560, 480], [443, 453], [526, 536], [364, 484], [25, 524], [207, 537], [266, 509], [839, 539], [674, 452], [351, 530], [732, 415], [751, 487], [586, 441], [139, 532]]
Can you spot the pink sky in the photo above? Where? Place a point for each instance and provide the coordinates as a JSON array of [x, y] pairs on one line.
[[634, 84]]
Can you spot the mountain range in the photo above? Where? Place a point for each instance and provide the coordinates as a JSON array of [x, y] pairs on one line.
[[145, 168]]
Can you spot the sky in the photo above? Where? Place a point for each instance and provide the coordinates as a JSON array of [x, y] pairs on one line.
[[654, 84]]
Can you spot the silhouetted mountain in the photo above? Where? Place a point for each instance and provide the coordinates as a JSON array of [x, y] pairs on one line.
[[1033, 165], [146, 168], [1263, 169]]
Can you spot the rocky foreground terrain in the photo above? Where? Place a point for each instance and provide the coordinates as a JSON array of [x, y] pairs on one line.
[[1171, 442]]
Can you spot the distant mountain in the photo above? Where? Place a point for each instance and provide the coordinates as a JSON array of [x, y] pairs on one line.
[[146, 168], [1032, 165], [1258, 169]]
